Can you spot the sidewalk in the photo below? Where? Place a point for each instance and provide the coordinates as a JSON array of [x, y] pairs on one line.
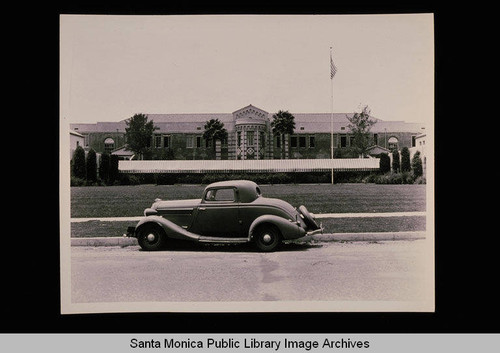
[[369, 236]]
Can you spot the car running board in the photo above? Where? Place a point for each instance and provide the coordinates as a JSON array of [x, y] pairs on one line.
[[204, 239]]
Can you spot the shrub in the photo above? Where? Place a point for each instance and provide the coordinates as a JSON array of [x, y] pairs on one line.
[[77, 181], [396, 164], [390, 178], [79, 170], [91, 166], [165, 178], [416, 165], [104, 167], [113, 169], [385, 163], [420, 180], [405, 159], [128, 179]]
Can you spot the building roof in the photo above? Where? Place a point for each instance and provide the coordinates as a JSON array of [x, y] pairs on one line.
[[249, 166], [74, 133], [375, 149], [304, 122], [122, 151]]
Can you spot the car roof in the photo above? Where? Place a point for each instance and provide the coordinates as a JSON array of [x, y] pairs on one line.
[[248, 190]]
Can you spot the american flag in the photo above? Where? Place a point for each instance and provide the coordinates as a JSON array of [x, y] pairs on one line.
[[333, 68]]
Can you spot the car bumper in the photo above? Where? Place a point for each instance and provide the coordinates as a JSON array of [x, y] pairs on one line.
[[316, 231]]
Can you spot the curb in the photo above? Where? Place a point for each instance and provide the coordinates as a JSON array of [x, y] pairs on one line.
[[331, 237], [104, 241], [367, 236]]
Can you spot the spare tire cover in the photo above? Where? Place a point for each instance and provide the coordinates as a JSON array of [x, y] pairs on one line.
[[308, 219]]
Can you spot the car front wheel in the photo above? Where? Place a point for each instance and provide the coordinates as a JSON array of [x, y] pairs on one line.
[[267, 238], [151, 238]]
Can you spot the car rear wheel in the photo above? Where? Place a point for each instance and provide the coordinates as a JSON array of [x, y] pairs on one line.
[[267, 238], [151, 238], [308, 218]]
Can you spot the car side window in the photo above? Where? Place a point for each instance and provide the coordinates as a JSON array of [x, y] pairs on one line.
[[220, 195]]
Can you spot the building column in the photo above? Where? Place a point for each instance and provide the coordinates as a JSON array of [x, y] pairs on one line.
[[243, 143], [286, 147], [218, 149], [257, 138]]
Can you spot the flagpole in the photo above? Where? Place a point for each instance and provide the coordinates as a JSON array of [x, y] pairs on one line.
[[331, 111]]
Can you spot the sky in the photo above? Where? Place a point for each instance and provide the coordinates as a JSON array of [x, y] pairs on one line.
[[112, 67]]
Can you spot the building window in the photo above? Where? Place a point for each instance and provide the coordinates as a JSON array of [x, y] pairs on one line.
[[413, 143], [239, 138], [375, 139], [293, 141], [157, 141], [393, 143], [312, 142], [278, 141], [198, 141], [343, 141], [250, 137], [166, 141], [109, 145], [189, 142], [262, 141], [302, 141]]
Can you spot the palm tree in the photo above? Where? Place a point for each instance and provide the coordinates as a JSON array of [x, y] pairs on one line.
[[283, 123], [214, 130]]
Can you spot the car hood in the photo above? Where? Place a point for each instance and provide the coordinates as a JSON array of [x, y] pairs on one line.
[[167, 204]]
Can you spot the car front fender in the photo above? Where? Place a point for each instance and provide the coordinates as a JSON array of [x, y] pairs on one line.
[[288, 229], [171, 229]]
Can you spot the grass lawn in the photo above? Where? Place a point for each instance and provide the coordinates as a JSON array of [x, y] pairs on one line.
[[130, 201]]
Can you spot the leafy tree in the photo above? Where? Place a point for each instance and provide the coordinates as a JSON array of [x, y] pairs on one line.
[[283, 124], [359, 127], [91, 166], [405, 160], [139, 132], [416, 165], [214, 130], [396, 164], [385, 163], [79, 170], [165, 154], [104, 167]]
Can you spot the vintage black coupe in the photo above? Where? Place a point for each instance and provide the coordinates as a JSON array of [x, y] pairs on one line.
[[229, 212]]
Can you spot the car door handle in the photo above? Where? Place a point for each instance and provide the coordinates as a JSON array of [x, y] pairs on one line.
[[201, 208]]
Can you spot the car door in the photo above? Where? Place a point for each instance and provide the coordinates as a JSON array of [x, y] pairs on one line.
[[218, 214]]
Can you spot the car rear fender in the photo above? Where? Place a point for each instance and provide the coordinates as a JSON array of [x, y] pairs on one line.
[[288, 229], [171, 229]]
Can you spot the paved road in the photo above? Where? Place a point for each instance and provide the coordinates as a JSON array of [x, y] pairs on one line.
[[358, 271]]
